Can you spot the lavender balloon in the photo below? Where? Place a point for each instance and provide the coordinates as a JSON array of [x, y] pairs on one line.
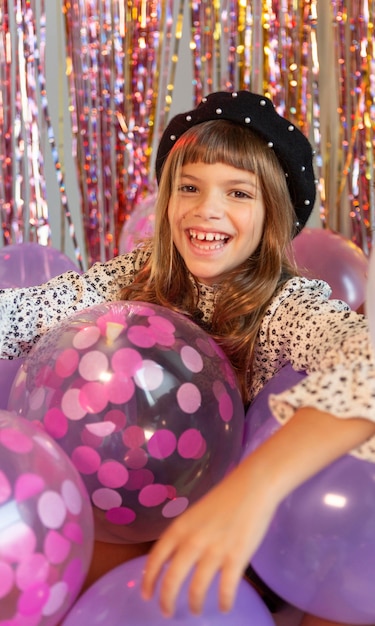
[[46, 527], [115, 599], [29, 264], [322, 253], [319, 552], [8, 371], [146, 405]]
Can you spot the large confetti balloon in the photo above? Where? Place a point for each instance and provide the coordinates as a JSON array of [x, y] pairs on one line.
[[46, 526], [319, 552], [115, 599], [146, 405]]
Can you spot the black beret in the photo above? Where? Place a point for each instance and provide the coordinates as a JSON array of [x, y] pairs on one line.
[[258, 113]]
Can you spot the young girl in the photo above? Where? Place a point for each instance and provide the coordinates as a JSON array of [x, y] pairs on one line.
[[236, 183]]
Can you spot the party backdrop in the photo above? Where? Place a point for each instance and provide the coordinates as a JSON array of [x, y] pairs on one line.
[[128, 66]]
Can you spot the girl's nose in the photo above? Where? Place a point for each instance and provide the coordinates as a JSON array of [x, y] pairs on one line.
[[209, 208]]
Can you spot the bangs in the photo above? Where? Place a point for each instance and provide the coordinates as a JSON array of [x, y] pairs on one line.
[[221, 141]]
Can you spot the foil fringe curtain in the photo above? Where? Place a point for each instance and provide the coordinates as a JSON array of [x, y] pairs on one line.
[[314, 58]]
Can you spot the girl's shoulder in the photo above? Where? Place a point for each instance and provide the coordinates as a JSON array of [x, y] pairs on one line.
[[305, 293]]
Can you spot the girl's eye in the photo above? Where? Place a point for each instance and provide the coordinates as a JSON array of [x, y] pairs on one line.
[[187, 188], [241, 194]]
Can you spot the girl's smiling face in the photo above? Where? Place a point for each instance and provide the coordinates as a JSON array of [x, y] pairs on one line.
[[216, 215]]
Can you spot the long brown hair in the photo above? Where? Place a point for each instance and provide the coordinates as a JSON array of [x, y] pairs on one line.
[[246, 292]]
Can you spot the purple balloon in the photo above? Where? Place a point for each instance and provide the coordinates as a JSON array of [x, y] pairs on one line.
[[8, 371], [146, 405], [115, 599], [319, 552], [30, 264], [46, 526], [322, 253]]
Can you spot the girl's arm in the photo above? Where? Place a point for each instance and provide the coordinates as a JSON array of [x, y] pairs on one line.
[[222, 531]]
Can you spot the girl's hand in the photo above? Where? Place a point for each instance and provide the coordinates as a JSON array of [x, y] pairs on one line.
[[217, 534], [222, 531]]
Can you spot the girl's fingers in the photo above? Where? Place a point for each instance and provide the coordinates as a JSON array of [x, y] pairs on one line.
[[205, 571], [158, 556], [229, 582]]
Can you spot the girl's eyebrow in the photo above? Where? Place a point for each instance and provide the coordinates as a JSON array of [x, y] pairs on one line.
[[231, 181]]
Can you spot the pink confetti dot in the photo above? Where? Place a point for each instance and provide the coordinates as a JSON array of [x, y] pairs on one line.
[[93, 397], [153, 495], [28, 485], [163, 331], [88, 438], [51, 509], [189, 398], [57, 596], [117, 418], [36, 398], [133, 437], [32, 599], [141, 336], [126, 361], [100, 429], [150, 376], [112, 474], [56, 547], [229, 374], [73, 531], [226, 407], [190, 444], [139, 479], [162, 444], [175, 507], [191, 359], [17, 541], [86, 460], [218, 389], [205, 347], [72, 497], [93, 365], [142, 309], [120, 516], [55, 423], [5, 488], [136, 458], [7, 577], [74, 575], [66, 363], [157, 322], [106, 499], [34, 569], [71, 405], [120, 389], [86, 337], [16, 441], [201, 451]]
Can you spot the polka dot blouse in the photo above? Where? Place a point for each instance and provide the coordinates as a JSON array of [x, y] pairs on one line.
[[302, 326]]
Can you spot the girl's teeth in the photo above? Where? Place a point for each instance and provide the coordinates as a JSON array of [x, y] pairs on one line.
[[207, 236]]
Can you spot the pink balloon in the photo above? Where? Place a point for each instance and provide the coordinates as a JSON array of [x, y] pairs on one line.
[[140, 224], [322, 253], [29, 264], [46, 526]]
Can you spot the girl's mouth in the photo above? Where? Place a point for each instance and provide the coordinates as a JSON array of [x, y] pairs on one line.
[[207, 240]]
